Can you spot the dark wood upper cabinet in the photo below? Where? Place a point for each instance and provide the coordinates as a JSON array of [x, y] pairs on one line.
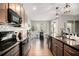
[[3, 13], [12, 6], [2, 6], [19, 9], [22, 14], [16, 7]]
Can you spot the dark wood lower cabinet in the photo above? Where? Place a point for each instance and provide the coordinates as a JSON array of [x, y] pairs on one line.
[[57, 48], [70, 51], [61, 49], [53, 50], [24, 47], [13, 52], [66, 53], [20, 49]]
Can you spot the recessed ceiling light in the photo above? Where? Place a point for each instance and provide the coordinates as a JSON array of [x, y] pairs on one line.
[[34, 8]]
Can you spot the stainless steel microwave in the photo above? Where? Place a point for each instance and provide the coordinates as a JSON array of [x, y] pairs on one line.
[[13, 18]]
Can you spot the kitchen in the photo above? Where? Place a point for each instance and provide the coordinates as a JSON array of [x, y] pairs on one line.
[[20, 23]]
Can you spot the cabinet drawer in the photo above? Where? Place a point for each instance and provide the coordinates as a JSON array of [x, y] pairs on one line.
[[66, 53], [59, 43], [54, 50], [16, 54], [54, 41], [71, 51], [13, 52], [59, 51]]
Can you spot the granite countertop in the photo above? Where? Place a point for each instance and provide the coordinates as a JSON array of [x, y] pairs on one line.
[[6, 50], [70, 42]]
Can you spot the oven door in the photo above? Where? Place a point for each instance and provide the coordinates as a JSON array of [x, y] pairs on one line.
[[6, 39]]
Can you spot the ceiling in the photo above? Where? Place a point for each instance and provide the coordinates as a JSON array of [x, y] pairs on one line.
[[47, 11]]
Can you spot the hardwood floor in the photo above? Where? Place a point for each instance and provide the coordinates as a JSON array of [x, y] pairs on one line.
[[39, 48]]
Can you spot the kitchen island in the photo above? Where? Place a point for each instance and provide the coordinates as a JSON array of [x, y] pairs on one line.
[[64, 46]]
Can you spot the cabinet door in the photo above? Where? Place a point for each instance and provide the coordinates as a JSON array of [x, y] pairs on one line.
[[54, 47], [59, 51], [71, 51], [3, 13], [12, 6], [13, 52], [23, 15], [15, 7], [57, 48], [66, 53], [2, 5], [25, 47], [18, 9]]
